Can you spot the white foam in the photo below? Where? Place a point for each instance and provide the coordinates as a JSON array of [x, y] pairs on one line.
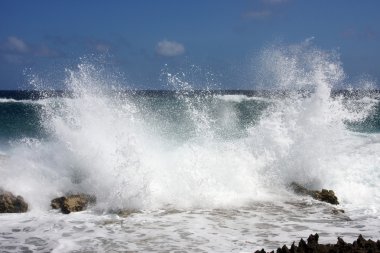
[[247, 229], [241, 98], [104, 144], [10, 100], [231, 191]]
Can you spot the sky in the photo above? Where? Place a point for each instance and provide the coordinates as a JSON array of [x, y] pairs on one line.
[[214, 40]]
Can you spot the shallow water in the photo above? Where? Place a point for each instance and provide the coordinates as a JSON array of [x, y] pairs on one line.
[[268, 225]]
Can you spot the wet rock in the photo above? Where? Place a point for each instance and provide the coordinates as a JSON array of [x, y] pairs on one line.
[[73, 203], [299, 189], [57, 202], [359, 246], [10, 203], [324, 195]]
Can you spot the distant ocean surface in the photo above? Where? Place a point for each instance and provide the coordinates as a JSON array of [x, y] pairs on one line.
[[21, 111], [199, 170]]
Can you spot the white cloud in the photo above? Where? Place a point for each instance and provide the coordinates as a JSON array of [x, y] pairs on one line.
[[16, 50], [169, 48], [15, 44]]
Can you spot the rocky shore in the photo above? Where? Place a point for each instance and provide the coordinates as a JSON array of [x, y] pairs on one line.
[[10, 203], [312, 246], [73, 203], [323, 195]]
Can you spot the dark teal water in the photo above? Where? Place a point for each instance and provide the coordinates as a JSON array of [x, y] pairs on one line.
[[21, 112], [20, 119]]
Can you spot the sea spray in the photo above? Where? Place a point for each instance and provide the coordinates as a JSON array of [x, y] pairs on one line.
[[305, 132], [105, 137], [191, 149], [213, 170], [207, 170]]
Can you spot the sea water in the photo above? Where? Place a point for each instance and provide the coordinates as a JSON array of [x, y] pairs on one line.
[[196, 170]]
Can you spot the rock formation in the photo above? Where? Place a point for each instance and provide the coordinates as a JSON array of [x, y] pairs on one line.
[[73, 203], [324, 195], [311, 246], [10, 203]]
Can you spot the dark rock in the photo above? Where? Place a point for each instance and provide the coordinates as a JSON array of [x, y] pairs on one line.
[[312, 241], [341, 242], [293, 248], [57, 202], [260, 251], [73, 203], [360, 241], [10, 203], [299, 189], [302, 246], [359, 246], [284, 249], [324, 195]]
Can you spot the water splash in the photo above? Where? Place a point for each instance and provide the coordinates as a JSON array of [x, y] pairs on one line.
[[198, 153], [304, 133]]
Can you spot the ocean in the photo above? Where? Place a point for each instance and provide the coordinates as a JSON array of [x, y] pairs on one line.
[[197, 170]]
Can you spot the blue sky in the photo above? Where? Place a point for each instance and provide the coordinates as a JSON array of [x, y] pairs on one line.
[[219, 37]]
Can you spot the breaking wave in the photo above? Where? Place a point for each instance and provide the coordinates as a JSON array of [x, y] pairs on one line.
[[200, 149]]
